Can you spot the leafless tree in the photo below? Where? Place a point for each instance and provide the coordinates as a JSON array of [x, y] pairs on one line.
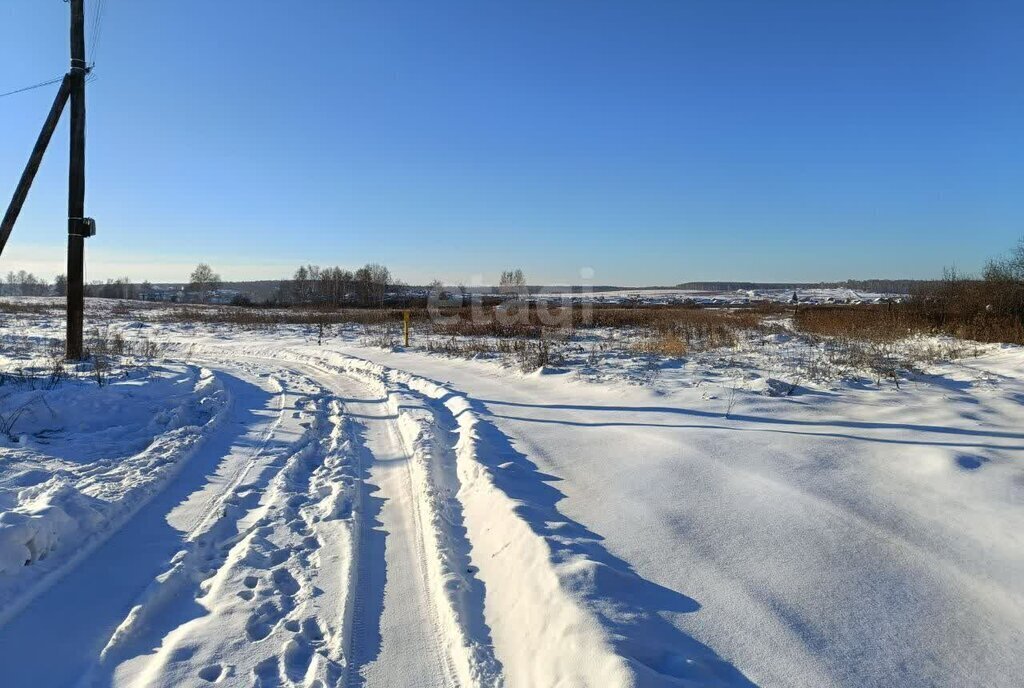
[[372, 281], [23, 283], [203, 281], [1009, 268], [334, 285], [512, 282]]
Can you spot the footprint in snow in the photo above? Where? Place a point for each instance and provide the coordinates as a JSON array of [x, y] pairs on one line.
[[266, 674], [211, 673], [298, 656], [261, 623], [285, 581]]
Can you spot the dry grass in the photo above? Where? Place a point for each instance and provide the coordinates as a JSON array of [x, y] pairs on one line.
[[464, 348], [666, 344], [676, 332], [259, 318], [672, 331], [24, 308], [990, 310], [920, 316], [877, 323], [667, 317], [489, 327], [886, 341], [527, 354]]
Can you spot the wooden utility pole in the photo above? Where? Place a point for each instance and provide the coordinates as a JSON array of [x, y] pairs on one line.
[[77, 226]]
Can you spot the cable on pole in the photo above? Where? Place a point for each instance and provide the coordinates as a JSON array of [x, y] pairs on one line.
[[34, 86], [96, 30]]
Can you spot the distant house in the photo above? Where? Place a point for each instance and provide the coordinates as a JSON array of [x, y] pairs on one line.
[[166, 294], [223, 296]]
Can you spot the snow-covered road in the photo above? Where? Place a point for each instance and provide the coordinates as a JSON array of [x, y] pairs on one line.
[[410, 651], [345, 516], [291, 550]]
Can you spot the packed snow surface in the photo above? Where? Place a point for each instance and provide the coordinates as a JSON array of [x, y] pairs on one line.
[[250, 508]]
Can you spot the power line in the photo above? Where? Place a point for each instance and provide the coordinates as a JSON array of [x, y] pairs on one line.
[[96, 30], [34, 86]]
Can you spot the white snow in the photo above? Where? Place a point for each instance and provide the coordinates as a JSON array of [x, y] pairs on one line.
[[83, 462], [253, 509], [721, 298]]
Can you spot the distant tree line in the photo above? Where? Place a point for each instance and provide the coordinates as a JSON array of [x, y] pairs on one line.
[[23, 283], [120, 288], [334, 286]]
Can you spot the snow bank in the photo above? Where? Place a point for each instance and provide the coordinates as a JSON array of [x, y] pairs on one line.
[[53, 525], [446, 568], [44, 523]]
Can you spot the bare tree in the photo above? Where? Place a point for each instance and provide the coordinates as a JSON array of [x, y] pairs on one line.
[[381, 278], [333, 285], [203, 281], [1009, 268], [363, 285], [60, 285], [300, 286], [372, 282], [25, 284], [512, 282]]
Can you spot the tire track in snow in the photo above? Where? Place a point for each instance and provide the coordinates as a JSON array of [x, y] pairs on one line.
[[431, 434], [426, 642], [266, 570], [415, 638], [400, 638], [567, 611], [235, 530], [235, 481], [283, 567], [369, 574], [210, 542], [438, 636], [110, 578]]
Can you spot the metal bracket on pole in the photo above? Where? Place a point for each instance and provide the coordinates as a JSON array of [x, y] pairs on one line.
[[84, 227]]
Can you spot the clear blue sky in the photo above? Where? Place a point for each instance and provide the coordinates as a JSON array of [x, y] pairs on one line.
[[652, 141]]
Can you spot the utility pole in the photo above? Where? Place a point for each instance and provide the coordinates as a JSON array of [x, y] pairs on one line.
[[77, 226]]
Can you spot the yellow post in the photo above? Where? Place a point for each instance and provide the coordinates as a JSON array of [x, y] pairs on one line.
[[405, 322]]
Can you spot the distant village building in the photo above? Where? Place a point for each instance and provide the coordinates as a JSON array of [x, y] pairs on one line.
[[223, 296], [174, 294]]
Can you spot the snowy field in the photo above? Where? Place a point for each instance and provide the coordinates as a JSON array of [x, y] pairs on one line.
[[245, 506], [740, 297]]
